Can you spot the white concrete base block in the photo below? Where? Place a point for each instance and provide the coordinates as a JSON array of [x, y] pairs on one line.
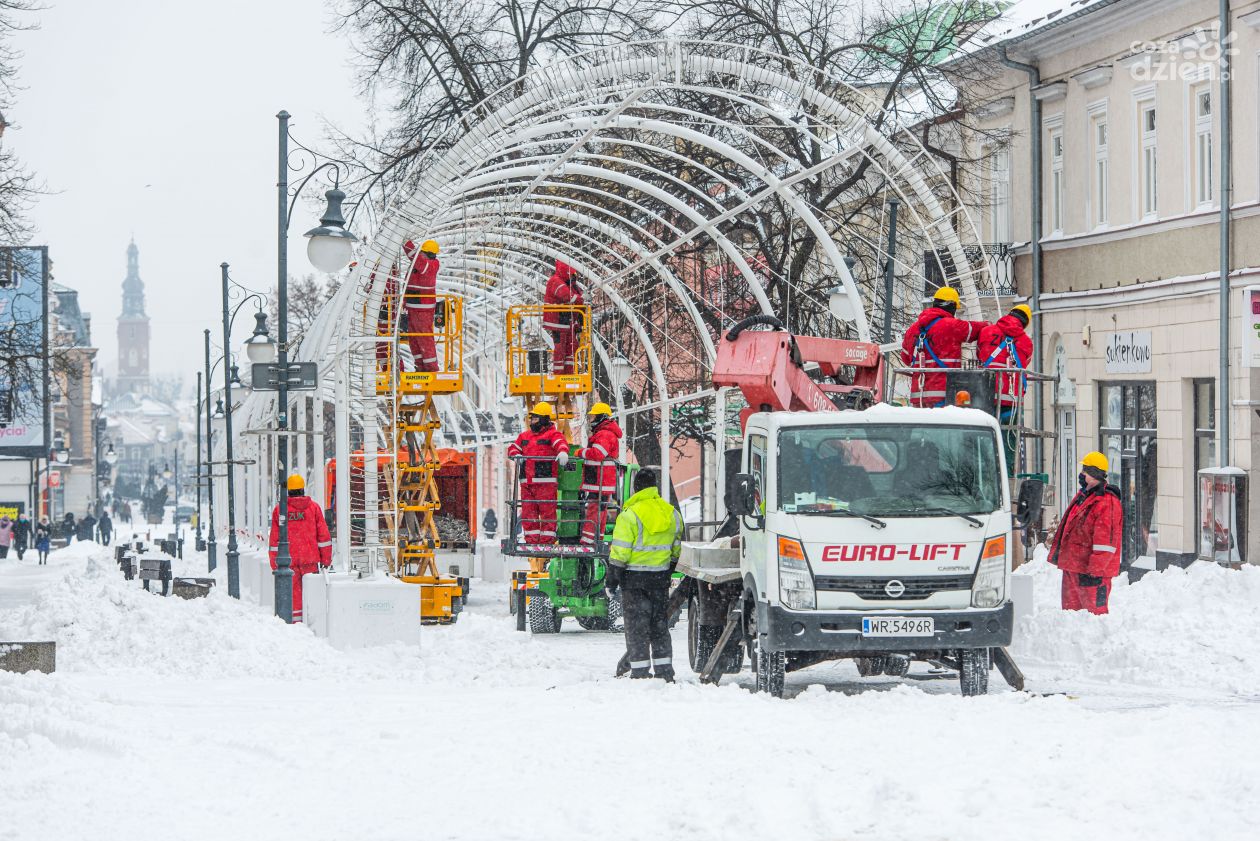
[[491, 561], [265, 591], [353, 612], [463, 559], [1022, 591]]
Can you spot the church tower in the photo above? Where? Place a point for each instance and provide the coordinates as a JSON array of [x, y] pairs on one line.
[[133, 330]]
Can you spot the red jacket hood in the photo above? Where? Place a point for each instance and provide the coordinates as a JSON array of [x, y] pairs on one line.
[[564, 271], [610, 427], [301, 503], [1010, 325], [931, 314]]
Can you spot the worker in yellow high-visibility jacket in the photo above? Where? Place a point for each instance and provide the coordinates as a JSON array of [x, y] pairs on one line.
[[646, 543]]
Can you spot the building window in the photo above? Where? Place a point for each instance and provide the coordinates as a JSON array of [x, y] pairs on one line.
[[1148, 181], [1056, 181], [1127, 436], [1201, 103], [1098, 133], [1000, 195], [1204, 436]]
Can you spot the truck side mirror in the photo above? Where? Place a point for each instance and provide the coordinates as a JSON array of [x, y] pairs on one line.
[[742, 501], [1031, 496]]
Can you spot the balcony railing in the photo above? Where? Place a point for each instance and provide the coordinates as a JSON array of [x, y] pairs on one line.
[[999, 257]]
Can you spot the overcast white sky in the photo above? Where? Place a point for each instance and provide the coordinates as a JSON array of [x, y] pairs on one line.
[[157, 118]]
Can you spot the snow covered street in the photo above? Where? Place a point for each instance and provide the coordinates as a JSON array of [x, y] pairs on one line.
[[208, 719]]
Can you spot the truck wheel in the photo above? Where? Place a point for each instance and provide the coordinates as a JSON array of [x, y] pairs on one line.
[[543, 618], [896, 665], [769, 669], [973, 677], [870, 666], [615, 625], [700, 638], [733, 660]]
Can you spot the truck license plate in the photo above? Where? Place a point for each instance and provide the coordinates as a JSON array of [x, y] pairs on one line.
[[897, 626]]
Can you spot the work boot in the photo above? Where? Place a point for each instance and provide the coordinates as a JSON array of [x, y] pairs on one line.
[[666, 674], [640, 674]]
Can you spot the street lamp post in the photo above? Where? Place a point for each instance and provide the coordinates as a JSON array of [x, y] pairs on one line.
[[329, 248], [197, 462], [259, 348], [233, 556], [210, 542]]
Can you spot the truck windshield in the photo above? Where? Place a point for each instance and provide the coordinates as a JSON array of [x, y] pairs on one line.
[[889, 470]]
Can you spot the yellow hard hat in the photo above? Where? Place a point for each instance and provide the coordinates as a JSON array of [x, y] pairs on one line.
[[543, 410], [429, 246], [600, 409], [1026, 310], [296, 483], [1096, 460], [948, 295]]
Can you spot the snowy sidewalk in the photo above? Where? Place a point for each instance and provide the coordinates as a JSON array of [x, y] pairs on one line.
[[233, 725]]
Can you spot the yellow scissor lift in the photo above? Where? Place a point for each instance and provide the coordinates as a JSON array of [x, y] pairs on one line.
[[530, 377], [412, 482]]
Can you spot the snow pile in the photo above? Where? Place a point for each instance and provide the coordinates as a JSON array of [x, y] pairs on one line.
[[1192, 627], [105, 624]]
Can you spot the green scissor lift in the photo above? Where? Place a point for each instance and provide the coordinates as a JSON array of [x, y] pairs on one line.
[[573, 584]]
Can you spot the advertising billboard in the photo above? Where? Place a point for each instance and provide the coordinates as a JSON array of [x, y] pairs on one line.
[[24, 352]]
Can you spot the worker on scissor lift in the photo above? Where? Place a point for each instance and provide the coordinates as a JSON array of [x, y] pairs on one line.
[[421, 303], [564, 327], [541, 450], [935, 340], [599, 473]]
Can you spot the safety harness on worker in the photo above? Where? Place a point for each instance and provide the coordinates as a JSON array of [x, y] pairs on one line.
[[923, 343], [1008, 344]]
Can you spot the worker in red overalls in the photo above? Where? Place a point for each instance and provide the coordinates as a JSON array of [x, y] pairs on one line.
[[599, 474], [310, 545], [421, 303], [1086, 545], [540, 450], [564, 327], [1005, 344], [935, 340]]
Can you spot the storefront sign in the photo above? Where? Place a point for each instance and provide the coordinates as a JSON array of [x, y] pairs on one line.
[[1128, 352], [1251, 327]]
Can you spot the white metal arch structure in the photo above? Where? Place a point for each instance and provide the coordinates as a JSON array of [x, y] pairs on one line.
[[645, 166]]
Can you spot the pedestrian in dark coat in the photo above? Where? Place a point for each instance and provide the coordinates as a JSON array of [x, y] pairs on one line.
[[105, 527], [87, 527], [21, 535]]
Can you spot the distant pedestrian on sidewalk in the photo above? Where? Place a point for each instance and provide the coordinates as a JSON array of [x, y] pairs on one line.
[[6, 535], [87, 527], [21, 535], [105, 528], [43, 539], [646, 543], [68, 527], [1087, 543]]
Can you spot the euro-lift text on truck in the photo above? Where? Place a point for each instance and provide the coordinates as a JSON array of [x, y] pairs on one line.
[[881, 533]]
